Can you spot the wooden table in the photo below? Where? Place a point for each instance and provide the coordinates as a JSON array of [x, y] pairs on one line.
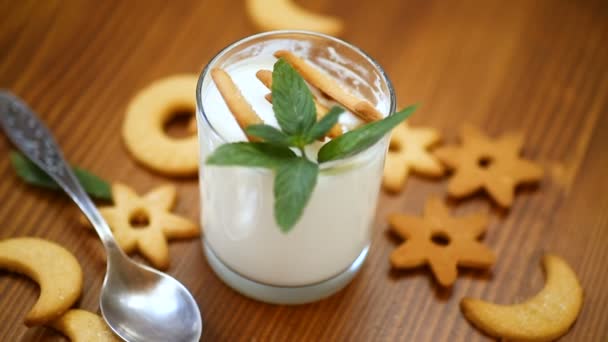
[[536, 66]]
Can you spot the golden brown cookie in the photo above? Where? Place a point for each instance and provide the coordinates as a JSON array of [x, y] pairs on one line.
[[83, 326], [236, 102], [409, 151], [143, 129], [145, 223], [271, 15], [192, 125], [54, 268], [544, 317], [325, 83], [440, 240], [482, 163]]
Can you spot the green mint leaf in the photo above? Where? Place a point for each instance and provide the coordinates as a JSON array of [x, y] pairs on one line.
[[93, 185], [325, 124], [293, 186], [251, 154], [32, 174], [292, 100], [269, 134], [361, 138]]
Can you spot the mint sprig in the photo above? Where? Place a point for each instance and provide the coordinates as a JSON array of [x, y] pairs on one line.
[[293, 186], [295, 174], [258, 154], [359, 139], [269, 134], [324, 125], [32, 174], [292, 100]]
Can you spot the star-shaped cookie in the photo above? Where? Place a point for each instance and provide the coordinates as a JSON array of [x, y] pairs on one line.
[[491, 164], [440, 240], [409, 151], [145, 223]]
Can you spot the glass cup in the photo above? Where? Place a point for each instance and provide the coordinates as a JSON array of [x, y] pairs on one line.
[[328, 245]]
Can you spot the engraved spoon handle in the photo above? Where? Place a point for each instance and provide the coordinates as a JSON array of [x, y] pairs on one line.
[[31, 136]]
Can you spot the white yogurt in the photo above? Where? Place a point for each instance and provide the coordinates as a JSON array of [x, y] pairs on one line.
[[237, 203]]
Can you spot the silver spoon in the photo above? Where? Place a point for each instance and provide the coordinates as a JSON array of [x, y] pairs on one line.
[[139, 303]]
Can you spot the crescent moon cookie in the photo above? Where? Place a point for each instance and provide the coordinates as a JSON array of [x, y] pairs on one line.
[[143, 128], [83, 326], [544, 317], [440, 240], [271, 15], [409, 151], [54, 268], [482, 163], [145, 223]]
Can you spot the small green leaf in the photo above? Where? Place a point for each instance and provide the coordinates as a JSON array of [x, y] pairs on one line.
[[361, 138], [293, 185], [32, 174], [94, 185], [325, 124], [269, 134], [250, 154], [292, 100]]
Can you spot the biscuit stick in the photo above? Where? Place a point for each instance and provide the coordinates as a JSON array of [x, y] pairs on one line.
[[239, 107], [265, 76], [362, 108]]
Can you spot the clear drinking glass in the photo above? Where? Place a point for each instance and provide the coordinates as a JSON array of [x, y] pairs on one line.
[[328, 245]]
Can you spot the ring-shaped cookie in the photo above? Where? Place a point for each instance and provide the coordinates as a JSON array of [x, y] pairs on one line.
[[143, 129]]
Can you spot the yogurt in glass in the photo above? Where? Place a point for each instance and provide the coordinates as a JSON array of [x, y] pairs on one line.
[[328, 245]]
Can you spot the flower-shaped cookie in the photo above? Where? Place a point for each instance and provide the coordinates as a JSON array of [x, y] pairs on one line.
[[440, 240], [408, 151], [483, 163], [145, 223]]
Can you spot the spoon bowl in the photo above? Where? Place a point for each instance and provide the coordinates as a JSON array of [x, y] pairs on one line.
[[138, 302], [143, 304]]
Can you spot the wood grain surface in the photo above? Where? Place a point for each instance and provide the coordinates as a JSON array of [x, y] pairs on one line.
[[536, 66]]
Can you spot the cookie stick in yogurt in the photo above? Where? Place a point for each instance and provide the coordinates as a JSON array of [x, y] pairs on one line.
[[362, 108], [239, 107]]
